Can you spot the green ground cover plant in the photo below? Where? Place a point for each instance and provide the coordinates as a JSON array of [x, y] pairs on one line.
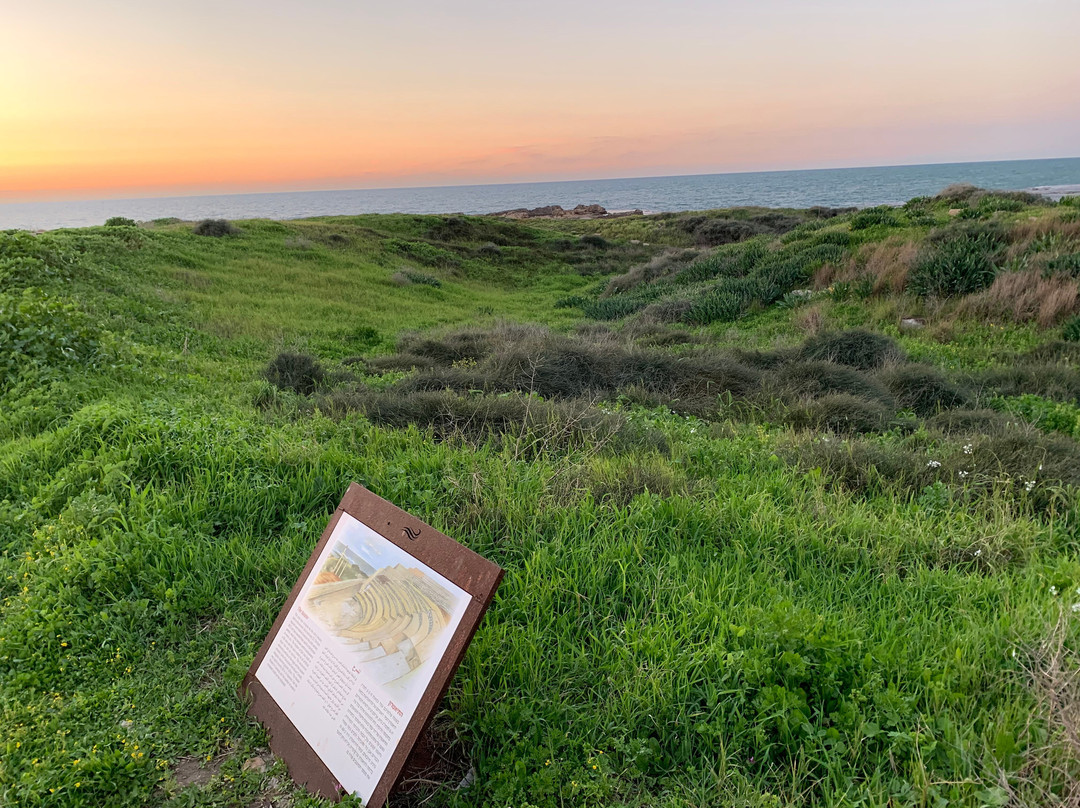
[[801, 555]]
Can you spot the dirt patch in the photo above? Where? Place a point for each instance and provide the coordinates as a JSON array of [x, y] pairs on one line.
[[195, 772]]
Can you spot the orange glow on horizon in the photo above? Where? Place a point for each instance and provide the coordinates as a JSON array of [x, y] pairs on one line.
[[156, 102]]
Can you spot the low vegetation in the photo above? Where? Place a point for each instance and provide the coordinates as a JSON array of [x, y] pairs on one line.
[[786, 499]]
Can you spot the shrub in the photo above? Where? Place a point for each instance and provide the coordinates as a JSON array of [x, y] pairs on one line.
[[861, 466], [120, 221], [883, 216], [425, 253], [1068, 264], [820, 212], [409, 277], [857, 348], [1049, 416], [1071, 330], [215, 228], [38, 330], [668, 311], [845, 414], [1057, 382], [923, 390], [337, 240], [1055, 351], [957, 261], [802, 380], [490, 250], [595, 240], [300, 373], [715, 232], [968, 422]]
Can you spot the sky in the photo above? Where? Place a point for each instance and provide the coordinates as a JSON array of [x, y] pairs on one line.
[[122, 99]]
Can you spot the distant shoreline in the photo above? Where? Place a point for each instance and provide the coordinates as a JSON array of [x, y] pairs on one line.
[[844, 187]]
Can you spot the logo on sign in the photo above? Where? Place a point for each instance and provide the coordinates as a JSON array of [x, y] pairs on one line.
[[411, 534]]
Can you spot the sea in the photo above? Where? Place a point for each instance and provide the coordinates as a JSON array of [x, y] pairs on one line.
[[836, 187]]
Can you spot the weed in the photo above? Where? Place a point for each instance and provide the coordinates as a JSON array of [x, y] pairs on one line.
[[858, 348]]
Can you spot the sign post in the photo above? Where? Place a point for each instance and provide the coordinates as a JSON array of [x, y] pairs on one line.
[[364, 648]]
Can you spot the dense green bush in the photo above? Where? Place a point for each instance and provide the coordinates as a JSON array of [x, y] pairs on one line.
[[1070, 332], [958, 261], [881, 216], [214, 228], [39, 330], [295, 371], [120, 221]]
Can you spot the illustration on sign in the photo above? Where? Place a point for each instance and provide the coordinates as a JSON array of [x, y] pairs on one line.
[[388, 617]]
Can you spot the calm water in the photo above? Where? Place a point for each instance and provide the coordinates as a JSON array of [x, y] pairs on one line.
[[795, 189]]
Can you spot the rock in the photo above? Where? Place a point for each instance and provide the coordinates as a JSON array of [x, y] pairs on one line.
[[126, 723], [255, 763], [955, 211], [912, 323]]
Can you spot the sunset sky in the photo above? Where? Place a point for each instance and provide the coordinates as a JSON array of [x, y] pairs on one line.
[[117, 98]]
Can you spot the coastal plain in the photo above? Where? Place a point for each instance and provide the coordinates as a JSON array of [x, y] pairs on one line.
[[786, 499]]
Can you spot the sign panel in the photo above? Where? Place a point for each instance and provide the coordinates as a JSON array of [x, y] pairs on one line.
[[365, 647]]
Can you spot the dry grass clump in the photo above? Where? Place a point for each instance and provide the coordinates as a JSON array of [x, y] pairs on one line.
[[618, 481], [843, 413], [886, 263], [1054, 381], [923, 390], [800, 381], [532, 425], [1025, 297], [1050, 774], [856, 348], [810, 320], [969, 422], [669, 262], [965, 193]]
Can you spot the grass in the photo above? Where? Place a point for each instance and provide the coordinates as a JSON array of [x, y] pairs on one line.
[[827, 582]]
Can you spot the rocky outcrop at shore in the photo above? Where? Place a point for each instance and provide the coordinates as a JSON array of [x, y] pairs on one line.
[[559, 212]]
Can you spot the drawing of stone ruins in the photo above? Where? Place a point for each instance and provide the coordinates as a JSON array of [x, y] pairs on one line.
[[389, 618]]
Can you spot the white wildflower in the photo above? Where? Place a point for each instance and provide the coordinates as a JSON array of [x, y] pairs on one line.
[[1053, 590], [967, 449], [1029, 485], [978, 553], [962, 474], [934, 464], [1076, 608]]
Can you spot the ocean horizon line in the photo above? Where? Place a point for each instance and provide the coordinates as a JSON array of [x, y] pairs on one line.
[[514, 183]]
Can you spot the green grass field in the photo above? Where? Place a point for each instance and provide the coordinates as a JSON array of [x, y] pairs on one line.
[[764, 546]]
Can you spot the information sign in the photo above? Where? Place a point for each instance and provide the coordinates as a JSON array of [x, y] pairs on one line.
[[364, 648]]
